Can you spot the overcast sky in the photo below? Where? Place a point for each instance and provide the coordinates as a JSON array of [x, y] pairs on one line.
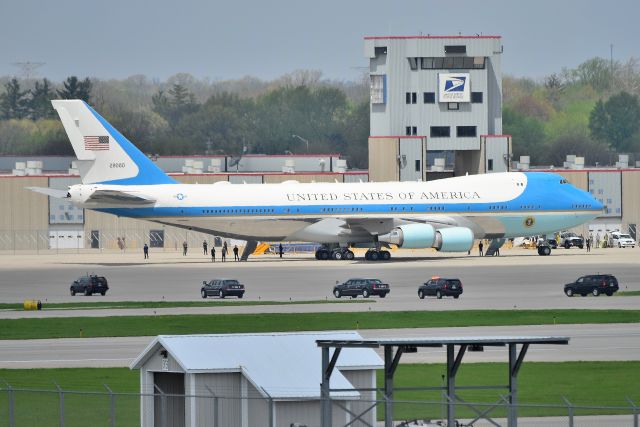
[[231, 39]]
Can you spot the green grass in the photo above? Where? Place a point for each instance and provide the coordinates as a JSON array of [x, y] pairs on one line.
[[65, 327], [41, 408], [102, 305], [582, 383], [628, 293]]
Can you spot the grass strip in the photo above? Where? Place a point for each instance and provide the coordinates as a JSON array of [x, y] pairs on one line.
[[540, 383], [101, 305], [627, 293], [70, 327]]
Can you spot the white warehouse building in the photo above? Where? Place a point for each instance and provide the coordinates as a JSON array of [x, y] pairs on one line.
[[252, 380]]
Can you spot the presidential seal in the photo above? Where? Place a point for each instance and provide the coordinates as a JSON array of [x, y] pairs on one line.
[[529, 222]]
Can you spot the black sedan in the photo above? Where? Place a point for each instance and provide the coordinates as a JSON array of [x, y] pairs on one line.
[[222, 288], [364, 287], [439, 287]]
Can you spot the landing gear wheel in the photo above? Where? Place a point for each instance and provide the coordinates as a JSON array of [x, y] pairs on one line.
[[365, 293], [322, 254], [348, 255], [544, 251], [337, 255], [374, 256], [337, 293], [386, 255]]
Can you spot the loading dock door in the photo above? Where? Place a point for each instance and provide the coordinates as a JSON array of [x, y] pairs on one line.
[[168, 410]]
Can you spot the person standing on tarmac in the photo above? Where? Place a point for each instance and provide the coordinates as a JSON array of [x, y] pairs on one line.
[[280, 250], [145, 250], [480, 247], [235, 253], [224, 252], [204, 247], [185, 246], [213, 254]]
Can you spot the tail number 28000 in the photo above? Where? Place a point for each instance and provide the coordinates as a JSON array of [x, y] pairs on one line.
[[117, 165]]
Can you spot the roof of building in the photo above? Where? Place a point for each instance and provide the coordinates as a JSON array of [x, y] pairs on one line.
[[279, 365]]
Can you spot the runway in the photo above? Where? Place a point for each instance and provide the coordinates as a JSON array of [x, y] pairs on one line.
[[587, 343], [517, 280]]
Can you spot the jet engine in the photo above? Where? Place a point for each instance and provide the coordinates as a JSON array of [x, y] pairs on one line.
[[418, 236]]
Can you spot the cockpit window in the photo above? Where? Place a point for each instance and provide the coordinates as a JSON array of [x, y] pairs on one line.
[[564, 181]]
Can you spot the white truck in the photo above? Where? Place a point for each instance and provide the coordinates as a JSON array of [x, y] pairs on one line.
[[622, 240]]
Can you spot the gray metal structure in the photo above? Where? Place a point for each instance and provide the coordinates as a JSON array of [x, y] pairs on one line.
[[395, 348]]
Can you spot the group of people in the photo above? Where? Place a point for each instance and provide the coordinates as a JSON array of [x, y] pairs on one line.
[[223, 252], [205, 247]]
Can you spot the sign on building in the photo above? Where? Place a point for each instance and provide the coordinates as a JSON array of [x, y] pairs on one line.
[[454, 87]]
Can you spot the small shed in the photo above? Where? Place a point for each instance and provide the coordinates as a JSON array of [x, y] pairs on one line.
[[248, 380]]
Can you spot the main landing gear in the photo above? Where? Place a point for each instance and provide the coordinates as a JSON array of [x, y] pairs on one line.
[[377, 255], [544, 250], [337, 253]]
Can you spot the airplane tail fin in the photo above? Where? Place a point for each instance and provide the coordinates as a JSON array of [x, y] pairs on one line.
[[104, 155]]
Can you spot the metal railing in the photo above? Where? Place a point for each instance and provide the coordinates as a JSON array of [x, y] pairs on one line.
[[56, 406]]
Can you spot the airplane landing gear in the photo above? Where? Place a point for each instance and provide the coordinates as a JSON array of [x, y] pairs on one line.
[[544, 250], [338, 253], [377, 255]]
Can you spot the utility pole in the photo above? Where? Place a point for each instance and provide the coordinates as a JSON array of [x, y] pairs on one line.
[[28, 68]]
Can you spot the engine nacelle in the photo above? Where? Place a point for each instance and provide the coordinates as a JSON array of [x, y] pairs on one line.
[[411, 236], [420, 236], [454, 239]]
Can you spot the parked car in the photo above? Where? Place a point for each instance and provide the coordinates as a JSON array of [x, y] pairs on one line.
[[439, 287], [570, 240], [364, 287], [622, 240], [89, 285], [594, 284], [222, 288]]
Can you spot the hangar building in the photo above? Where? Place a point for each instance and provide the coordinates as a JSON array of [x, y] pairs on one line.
[[247, 380], [436, 107]]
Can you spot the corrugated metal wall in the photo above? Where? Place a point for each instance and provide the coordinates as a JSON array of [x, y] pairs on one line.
[[383, 155]]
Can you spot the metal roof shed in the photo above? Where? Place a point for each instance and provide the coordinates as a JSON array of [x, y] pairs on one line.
[[250, 380]]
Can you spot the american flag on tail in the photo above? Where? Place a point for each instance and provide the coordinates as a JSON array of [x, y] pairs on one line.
[[96, 143]]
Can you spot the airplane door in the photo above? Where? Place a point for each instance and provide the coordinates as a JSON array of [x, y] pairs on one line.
[[410, 160]]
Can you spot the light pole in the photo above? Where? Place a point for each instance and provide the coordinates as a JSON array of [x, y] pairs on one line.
[[302, 139]]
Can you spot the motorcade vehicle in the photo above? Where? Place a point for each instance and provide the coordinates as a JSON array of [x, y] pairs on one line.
[[570, 240], [364, 287], [594, 284], [440, 287], [222, 288], [89, 285], [622, 240]]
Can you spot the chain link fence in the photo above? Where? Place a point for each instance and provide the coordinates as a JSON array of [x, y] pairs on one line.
[[57, 407]]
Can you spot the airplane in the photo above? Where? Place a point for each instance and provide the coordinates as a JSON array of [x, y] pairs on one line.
[[447, 214]]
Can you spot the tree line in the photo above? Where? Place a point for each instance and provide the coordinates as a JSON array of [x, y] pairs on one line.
[[592, 110], [189, 116]]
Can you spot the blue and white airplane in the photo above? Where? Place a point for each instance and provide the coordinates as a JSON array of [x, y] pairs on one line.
[[447, 214]]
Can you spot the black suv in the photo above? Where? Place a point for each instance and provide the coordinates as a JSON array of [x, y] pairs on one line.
[[364, 287], [89, 285], [222, 288], [594, 284], [439, 287]]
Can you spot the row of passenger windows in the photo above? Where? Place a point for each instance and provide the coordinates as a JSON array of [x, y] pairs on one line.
[[430, 98], [445, 131]]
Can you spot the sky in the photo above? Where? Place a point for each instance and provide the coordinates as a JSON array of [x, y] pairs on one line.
[[222, 40]]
